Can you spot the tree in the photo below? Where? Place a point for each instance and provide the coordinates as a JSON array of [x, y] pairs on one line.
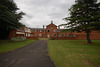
[[9, 18], [84, 16]]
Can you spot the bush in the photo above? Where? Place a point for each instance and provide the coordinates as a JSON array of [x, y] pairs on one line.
[[18, 38], [53, 38]]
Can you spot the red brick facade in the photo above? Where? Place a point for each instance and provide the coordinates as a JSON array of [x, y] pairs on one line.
[[51, 31], [13, 33]]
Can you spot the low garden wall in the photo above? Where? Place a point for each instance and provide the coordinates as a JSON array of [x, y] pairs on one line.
[[35, 38], [63, 38]]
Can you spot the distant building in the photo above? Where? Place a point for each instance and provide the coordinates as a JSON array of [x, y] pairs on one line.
[[22, 32], [53, 32]]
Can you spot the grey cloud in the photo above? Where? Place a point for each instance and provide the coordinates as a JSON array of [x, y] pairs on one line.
[[29, 16], [41, 12]]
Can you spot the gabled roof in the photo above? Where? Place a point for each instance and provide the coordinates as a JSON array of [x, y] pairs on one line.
[[51, 24], [38, 29]]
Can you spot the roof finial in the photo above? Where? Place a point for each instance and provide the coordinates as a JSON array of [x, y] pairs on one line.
[[51, 21]]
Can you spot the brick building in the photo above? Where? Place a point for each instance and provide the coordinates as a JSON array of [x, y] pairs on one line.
[[22, 32], [53, 32], [49, 31]]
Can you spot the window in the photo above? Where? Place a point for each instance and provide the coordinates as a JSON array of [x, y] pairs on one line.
[[54, 35], [66, 35], [58, 35], [62, 35], [43, 30], [43, 34], [32, 30], [40, 35], [51, 27], [72, 35], [28, 35], [39, 30], [69, 35], [48, 30], [54, 30], [35, 30], [58, 30], [35, 34]]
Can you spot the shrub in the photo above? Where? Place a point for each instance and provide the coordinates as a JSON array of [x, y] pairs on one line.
[[18, 38]]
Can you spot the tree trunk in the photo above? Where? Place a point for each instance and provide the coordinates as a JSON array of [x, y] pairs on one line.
[[88, 37]]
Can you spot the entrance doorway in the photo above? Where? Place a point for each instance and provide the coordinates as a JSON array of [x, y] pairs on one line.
[[48, 35]]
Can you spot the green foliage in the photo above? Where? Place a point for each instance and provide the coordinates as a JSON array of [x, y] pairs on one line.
[[84, 16], [9, 18], [18, 38]]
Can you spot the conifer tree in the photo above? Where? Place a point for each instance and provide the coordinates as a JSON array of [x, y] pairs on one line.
[[84, 16], [9, 18]]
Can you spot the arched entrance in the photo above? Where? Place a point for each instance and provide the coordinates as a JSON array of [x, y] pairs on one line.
[[48, 35]]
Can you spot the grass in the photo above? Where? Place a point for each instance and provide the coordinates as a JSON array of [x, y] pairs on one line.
[[6, 45], [74, 53]]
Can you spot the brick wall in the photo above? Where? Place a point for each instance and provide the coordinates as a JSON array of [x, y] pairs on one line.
[[12, 34], [51, 32], [78, 36]]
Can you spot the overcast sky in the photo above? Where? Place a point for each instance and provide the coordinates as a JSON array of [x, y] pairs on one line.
[[41, 12]]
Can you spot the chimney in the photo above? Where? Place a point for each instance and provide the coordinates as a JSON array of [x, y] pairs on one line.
[[43, 26], [58, 27]]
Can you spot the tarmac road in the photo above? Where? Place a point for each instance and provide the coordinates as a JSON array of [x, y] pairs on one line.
[[33, 55]]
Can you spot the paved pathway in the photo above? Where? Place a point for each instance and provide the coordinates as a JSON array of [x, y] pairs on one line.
[[33, 55]]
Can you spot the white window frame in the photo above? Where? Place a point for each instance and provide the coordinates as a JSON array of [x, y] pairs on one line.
[[40, 30], [54, 30]]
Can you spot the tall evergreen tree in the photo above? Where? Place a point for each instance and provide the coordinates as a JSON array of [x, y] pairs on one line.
[[84, 16], [9, 18]]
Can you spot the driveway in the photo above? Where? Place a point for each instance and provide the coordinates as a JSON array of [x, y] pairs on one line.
[[33, 55]]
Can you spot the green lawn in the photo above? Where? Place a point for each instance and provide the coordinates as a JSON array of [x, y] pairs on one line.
[[6, 45], [74, 53]]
